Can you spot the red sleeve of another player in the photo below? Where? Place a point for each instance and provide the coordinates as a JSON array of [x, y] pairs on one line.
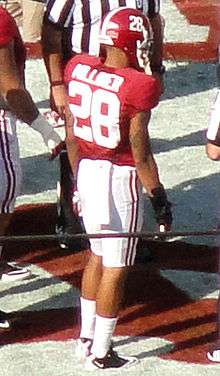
[[143, 94], [8, 28]]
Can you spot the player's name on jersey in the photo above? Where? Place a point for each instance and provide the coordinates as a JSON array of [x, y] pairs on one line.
[[106, 80]]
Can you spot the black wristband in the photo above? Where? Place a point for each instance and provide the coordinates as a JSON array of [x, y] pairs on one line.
[[56, 83], [159, 197]]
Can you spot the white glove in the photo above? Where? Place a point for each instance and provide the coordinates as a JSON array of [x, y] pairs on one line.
[[49, 135], [77, 208]]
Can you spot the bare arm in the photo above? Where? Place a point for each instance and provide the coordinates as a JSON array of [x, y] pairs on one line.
[[147, 170], [19, 100], [53, 58], [157, 27], [140, 144], [156, 59], [12, 89], [52, 51], [71, 145]]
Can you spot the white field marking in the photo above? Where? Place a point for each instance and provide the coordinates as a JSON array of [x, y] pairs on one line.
[[197, 285], [42, 291], [177, 28], [57, 358], [48, 196]]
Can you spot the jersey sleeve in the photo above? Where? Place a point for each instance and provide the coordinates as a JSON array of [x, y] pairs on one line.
[[143, 94], [59, 12], [213, 132], [8, 28]]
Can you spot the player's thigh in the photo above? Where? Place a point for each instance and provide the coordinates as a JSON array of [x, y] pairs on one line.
[[93, 183], [10, 182], [126, 217]]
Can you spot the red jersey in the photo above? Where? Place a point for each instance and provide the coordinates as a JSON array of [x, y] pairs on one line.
[[103, 100], [9, 32]]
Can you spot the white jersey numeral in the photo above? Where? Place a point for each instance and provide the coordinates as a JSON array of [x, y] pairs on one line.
[[100, 112]]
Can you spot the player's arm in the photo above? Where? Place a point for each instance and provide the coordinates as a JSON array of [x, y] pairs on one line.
[[53, 58], [19, 100], [140, 144], [147, 169], [12, 89]]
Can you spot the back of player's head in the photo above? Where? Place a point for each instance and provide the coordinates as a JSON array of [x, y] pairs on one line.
[[127, 29]]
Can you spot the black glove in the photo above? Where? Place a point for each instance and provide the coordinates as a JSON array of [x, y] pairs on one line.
[[162, 207]]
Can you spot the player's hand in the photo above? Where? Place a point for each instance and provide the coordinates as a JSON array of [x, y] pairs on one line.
[[76, 200], [162, 209]]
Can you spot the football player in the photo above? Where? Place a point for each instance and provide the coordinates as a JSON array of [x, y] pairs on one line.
[[110, 154], [15, 103], [69, 28]]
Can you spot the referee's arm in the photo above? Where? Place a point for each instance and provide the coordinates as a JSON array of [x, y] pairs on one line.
[[156, 58], [52, 50], [157, 24], [53, 58]]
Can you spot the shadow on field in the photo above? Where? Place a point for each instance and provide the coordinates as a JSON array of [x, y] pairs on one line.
[[190, 78], [154, 305], [39, 174], [192, 139]]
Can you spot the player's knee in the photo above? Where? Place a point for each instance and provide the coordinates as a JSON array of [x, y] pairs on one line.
[[116, 274]]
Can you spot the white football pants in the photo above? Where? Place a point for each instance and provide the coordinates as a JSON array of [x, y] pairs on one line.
[[10, 167], [112, 201]]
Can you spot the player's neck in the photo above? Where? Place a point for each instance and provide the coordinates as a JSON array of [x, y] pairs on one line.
[[116, 58]]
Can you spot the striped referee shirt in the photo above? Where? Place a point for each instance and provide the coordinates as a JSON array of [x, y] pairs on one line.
[[80, 20]]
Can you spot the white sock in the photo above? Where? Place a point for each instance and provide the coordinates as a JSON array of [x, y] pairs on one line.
[[88, 311], [104, 328]]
